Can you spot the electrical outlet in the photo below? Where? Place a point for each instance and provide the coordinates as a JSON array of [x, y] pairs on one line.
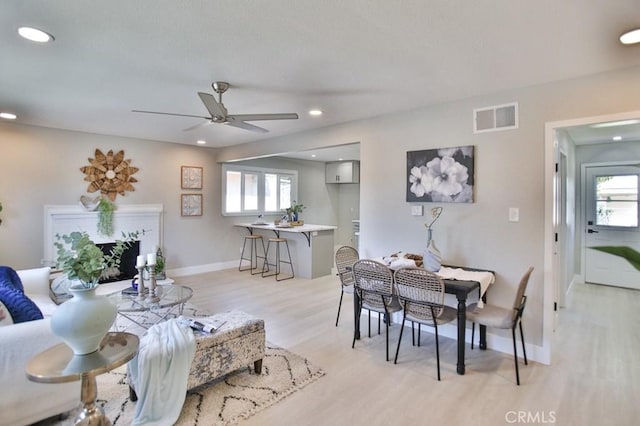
[[514, 214]]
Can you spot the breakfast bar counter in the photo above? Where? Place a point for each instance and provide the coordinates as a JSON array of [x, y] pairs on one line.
[[311, 245]]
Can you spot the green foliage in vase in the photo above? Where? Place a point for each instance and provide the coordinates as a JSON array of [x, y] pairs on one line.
[[81, 259], [159, 264], [105, 216], [631, 255]]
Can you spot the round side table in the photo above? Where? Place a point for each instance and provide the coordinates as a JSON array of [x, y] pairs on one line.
[[58, 364]]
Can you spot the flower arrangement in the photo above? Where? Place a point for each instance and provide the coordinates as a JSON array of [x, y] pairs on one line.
[[435, 214], [83, 260]]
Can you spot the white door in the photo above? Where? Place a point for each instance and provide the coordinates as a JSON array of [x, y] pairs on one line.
[[611, 220]]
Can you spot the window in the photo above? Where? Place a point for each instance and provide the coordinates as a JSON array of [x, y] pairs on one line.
[[254, 190], [617, 200]]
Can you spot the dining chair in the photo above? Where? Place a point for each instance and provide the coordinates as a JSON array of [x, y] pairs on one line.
[[421, 295], [346, 256], [504, 318], [373, 285]]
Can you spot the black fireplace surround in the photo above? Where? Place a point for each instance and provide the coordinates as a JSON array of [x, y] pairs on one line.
[[127, 261]]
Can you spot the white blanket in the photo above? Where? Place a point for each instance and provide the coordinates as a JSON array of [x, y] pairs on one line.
[[483, 277], [159, 372]]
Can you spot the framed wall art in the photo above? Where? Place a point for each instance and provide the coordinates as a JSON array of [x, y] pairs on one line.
[[442, 175], [191, 177], [191, 204]]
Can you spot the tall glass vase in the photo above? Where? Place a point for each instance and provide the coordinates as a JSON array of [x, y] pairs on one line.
[[431, 258]]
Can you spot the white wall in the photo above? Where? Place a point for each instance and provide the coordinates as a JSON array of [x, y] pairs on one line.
[[40, 166]]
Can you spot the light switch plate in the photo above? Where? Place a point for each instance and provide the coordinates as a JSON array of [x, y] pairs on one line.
[[417, 210], [514, 214]]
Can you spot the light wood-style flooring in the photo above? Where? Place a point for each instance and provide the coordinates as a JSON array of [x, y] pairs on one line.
[[594, 378]]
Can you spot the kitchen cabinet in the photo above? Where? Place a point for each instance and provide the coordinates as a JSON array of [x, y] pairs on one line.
[[342, 172]]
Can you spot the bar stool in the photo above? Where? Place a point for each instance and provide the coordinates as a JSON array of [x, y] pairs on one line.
[[253, 253], [278, 261]]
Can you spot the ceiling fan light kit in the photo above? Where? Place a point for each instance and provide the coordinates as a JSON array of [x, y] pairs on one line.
[[219, 114]]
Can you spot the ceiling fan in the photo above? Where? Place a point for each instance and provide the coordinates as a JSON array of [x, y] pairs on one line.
[[220, 115]]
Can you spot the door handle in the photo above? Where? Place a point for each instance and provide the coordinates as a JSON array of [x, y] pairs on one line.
[[591, 231]]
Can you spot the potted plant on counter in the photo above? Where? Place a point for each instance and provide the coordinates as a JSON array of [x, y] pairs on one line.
[[293, 211]]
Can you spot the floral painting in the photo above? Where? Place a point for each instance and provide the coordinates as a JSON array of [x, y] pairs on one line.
[[442, 175]]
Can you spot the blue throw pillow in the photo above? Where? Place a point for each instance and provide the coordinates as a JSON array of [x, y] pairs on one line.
[[8, 276], [20, 307]]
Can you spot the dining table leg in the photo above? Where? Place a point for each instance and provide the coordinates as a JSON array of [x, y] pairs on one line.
[[462, 325], [483, 330]]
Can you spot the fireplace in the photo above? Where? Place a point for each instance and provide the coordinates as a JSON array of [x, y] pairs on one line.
[[144, 218], [127, 263]]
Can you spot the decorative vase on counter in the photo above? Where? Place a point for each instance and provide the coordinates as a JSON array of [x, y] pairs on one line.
[[84, 320], [431, 258]]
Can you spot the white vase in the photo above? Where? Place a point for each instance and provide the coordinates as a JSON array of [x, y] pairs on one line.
[[84, 320], [431, 258]]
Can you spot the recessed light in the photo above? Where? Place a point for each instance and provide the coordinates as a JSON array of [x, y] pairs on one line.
[[35, 34], [339, 159], [201, 142], [315, 112], [313, 156], [8, 116], [617, 138], [630, 37], [615, 123]]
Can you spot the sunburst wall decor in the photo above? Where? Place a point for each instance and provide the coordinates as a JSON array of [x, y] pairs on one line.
[[110, 174]]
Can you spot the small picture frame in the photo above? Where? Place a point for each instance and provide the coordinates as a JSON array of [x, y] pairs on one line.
[[191, 204], [191, 177]]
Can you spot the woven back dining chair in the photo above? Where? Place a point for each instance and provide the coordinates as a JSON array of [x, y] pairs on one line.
[[373, 287], [504, 318], [346, 256], [421, 295]]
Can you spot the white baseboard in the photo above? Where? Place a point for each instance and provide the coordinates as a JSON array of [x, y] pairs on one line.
[[201, 269], [494, 342]]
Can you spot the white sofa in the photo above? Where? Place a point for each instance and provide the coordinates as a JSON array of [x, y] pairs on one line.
[[22, 401]]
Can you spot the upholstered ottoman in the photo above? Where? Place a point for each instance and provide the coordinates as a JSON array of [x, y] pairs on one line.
[[238, 343]]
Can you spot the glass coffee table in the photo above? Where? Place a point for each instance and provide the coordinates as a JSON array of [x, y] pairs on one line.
[[59, 365], [145, 312]]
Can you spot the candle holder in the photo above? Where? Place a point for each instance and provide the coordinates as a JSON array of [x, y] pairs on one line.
[[153, 287], [141, 289]]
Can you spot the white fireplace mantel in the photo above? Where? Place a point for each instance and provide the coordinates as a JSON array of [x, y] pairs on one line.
[[60, 220]]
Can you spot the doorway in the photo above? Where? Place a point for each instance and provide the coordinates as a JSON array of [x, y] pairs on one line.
[[555, 228]]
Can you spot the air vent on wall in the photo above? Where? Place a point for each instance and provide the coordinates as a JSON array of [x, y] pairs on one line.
[[497, 117]]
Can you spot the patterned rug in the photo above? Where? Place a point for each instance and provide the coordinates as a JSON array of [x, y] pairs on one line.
[[225, 401]]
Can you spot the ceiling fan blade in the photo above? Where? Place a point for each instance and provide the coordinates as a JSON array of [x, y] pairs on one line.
[[215, 108], [170, 113], [246, 126], [256, 117], [196, 126]]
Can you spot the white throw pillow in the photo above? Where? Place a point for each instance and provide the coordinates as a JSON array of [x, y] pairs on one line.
[[5, 316]]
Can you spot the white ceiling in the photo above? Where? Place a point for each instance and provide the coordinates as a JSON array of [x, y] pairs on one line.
[[353, 59]]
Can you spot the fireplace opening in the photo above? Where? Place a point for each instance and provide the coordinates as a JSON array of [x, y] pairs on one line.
[[127, 268]]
